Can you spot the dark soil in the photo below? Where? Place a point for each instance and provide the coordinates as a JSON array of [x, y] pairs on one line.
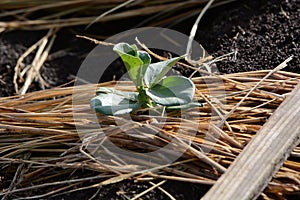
[[263, 33], [67, 54], [128, 189]]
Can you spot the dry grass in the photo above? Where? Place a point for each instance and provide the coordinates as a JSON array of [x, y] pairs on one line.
[[42, 154], [37, 15]]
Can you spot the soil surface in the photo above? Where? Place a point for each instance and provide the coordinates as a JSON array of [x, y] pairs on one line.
[[261, 33]]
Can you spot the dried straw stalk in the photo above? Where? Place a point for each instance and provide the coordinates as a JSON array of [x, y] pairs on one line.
[[40, 145], [57, 14]]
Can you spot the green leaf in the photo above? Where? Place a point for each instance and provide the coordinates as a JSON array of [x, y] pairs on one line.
[[156, 71], [114, 102], [184, 106], [135, 61], [172, 91], [145, 57], [133, 96]]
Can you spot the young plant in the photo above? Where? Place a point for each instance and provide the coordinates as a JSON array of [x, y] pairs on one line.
[[153, 87]]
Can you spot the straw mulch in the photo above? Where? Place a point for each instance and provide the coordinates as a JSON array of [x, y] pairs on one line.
[[49, 14], [42, 155]]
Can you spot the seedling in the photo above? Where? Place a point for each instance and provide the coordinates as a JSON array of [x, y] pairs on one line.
[[154, 88]]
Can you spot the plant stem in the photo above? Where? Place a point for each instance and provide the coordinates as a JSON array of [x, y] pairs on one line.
[[143, 98]]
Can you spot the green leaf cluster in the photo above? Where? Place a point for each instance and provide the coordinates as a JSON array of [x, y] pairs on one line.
[[153, 87]]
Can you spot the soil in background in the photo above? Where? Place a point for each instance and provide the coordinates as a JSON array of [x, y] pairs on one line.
[[261, 33]]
